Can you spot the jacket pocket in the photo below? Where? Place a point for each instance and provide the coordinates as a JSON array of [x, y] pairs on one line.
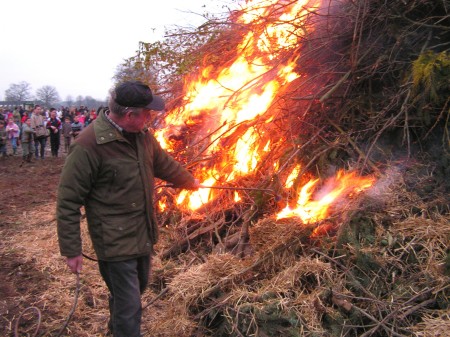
[[120, 236]]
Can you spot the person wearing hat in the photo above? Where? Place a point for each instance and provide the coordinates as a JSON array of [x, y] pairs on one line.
[[110, 170]]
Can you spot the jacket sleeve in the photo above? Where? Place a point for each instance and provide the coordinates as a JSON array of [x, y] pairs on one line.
[[75, 184], [168, 169]]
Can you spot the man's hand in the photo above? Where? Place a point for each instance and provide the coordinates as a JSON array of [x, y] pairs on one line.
[[75, 263], [197, 185]]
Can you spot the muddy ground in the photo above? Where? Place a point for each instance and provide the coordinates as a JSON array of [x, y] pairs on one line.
[[27, 191], [32, 272]]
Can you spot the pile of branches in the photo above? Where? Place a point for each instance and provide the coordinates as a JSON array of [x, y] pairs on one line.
[[375, 97], [376, 77], [383, 73], [385, 273]]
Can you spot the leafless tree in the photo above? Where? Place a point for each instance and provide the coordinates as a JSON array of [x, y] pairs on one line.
[[48, 95], [18, 92]]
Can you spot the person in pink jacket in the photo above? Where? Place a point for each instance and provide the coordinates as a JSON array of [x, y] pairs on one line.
[[12, 131]]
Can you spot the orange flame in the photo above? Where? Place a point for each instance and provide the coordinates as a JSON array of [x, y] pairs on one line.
[[236, 94], [313, 210], [234, 99], [291, 178]]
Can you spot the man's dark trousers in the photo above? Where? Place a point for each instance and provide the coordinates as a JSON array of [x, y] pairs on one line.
[[126, 281]]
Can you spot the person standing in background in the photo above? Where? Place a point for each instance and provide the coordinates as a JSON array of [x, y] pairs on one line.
[[77, 127], [13, 131], [54, 127], [3, 138], [27, 141], [40, 137], [67, 133], [17, 116]]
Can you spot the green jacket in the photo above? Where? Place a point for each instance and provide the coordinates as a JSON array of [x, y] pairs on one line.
[[114, 182]]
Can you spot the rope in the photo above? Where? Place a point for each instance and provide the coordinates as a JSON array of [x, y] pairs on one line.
[[88, 257], [16, 326], [77, 292]]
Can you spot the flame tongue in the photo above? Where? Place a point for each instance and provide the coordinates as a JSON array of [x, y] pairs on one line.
[[340, 187]]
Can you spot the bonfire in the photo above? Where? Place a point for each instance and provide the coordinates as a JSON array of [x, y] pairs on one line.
[[323, 210]]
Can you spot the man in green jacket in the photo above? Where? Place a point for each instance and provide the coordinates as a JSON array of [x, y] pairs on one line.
[[110, 170]]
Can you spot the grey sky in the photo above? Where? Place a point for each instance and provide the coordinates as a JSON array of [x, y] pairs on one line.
[[75, 46]]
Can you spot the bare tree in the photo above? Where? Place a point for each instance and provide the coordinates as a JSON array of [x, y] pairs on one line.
[[48, 95], [18, 92]]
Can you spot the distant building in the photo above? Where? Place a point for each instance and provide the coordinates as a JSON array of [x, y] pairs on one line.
[[27, 105]]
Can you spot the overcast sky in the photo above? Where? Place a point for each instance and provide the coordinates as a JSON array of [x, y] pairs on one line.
[[75, 46]]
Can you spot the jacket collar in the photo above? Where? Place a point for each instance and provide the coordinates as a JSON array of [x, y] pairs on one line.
[[105, 132]]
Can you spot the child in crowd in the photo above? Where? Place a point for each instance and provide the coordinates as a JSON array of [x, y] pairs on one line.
[[67, 133], [26, 115], [3, 138], [92, 116], [27, 140], [12, 130], [81, 117], [76, 127]]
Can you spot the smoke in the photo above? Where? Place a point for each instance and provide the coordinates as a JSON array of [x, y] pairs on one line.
[[382, 187]]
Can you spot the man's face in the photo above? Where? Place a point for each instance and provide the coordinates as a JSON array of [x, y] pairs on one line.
[[38, 110], [136, 119]]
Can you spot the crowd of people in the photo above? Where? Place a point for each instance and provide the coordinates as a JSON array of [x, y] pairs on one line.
[[31, 129]]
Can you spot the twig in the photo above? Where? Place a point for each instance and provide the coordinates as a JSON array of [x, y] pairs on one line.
[[335, 87], [243, 238], [355, 147], [179, 246], [389, 123], [417, 307], [347, 272], [299, 149]]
